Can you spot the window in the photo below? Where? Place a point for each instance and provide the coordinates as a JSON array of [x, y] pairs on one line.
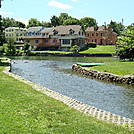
[[66, 41], [101, 34], [96, 34], [71, 32], [46, 41], [92, 34], [88, 35], [36, 41], [54, 41]]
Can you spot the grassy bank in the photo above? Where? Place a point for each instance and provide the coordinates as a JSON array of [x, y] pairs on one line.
[[100, 49], [119, 68], [26, 111]]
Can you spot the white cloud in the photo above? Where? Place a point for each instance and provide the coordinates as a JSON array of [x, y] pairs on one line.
[[22, 20], [59, 5], [1, 12]]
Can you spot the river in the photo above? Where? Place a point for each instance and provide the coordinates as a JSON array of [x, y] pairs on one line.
[[56, 74]]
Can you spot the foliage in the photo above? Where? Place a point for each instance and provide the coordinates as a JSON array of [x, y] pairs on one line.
[[10, 47], [88, 21], [10, 22], [1, 32], [91, 44], [26, 46], [74, 49], [55, 21], [71, 21], [63, 17], [126, 44], [33, 22], [117, 27]]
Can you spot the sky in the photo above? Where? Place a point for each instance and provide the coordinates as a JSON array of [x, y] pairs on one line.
[[43, 10]]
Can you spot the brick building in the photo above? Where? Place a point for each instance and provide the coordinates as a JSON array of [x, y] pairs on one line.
[[102, 35]]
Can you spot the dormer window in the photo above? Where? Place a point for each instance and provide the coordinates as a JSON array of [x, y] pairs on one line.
[[55, 32], [71, 32]]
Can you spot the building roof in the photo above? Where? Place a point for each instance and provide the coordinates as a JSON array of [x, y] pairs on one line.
[[65, 29], [46, 30], [99, 28], [16, 28], [34, 29]]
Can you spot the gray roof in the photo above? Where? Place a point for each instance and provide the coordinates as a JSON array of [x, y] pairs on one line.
[[65, 29], [100, 28], [46, 30], [34, 29]]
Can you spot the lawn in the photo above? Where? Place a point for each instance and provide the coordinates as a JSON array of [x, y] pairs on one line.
[[101, 49], [119, 68], [26, 111], [63, 52]]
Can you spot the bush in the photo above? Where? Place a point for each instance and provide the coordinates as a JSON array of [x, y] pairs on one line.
[[74, 49], [91, 44]]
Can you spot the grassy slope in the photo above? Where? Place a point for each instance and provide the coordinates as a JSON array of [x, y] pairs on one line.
[[24, 110], [119, 68], [100, 49]]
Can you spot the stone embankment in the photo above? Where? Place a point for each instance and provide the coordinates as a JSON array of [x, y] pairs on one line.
[[104, 75], [79, 106], [71, 54]]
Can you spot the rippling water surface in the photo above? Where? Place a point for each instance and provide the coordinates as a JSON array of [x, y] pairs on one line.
[[55, 73]]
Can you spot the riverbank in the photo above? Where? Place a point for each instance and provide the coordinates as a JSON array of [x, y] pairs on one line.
[[24, 110], [108, 76]]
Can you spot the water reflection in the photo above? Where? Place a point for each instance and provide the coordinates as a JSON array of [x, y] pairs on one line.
[[55, 73]]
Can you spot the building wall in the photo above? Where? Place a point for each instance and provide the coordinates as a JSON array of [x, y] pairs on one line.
[[107, 37], [16, 33]]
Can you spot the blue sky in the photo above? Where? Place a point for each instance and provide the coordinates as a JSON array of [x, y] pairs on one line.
[[43, 10]]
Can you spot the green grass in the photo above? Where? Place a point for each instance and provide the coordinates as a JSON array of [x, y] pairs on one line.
[[100, 49], [119, 68], [51, 52], [26, 111]]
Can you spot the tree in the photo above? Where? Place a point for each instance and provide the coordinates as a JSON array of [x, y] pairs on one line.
[[33, 22], [46, 24], [71, 21], [10, 48], [55, 21], [1, 32], [63, 17], [10, 22], [117, 27], [74, 49], [126, 42], [88, 21]]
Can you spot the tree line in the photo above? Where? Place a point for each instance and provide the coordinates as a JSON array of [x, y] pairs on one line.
[[62, 19]]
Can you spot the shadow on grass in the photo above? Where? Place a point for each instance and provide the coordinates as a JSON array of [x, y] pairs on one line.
[[4, 64]]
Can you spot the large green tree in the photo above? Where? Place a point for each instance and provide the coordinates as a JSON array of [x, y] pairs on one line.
[[126, 44], [88, 22], [117, 27], [55, 21], [71, 21], [63, 17], [1, 32], [33, 22], [10, 22]]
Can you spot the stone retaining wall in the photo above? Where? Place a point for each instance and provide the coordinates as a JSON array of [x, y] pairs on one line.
[[79, 106], [104, 75]]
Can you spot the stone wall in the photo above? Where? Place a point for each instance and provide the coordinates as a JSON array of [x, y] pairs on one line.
[[104, 75]]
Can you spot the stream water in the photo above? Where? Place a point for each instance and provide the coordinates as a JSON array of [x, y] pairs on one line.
[[56, 74]]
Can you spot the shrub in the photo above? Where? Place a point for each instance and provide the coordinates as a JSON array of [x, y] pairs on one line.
[[91, 44]]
